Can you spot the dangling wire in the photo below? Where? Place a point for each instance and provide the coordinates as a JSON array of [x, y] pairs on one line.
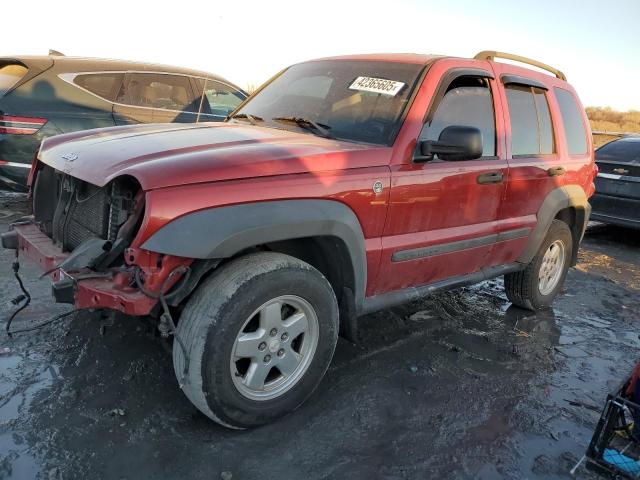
[[25, 295], [27, 300], [41, 324]]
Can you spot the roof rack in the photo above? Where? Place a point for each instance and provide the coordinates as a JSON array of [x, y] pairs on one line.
[[491, 55]]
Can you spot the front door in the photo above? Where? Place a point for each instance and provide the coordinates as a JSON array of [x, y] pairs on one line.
[[442, 214], [216, 99]]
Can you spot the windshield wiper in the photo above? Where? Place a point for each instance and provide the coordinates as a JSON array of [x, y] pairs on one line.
[[318, 128], [253, 119]]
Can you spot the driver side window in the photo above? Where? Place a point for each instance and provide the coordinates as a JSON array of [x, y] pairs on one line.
[[467, 102]]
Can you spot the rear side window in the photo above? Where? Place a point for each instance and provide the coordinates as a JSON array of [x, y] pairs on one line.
[[531, 129], [467, 102], [573, 122], [625, 150], [10, 75], [104, 85], [155, 90], [219, 99]]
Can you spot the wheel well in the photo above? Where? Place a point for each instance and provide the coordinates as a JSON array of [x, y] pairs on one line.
[[330, 256], [327, 254], [575, 220]]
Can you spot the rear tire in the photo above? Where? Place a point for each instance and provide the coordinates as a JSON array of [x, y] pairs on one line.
[[259, 335], [537, 285]]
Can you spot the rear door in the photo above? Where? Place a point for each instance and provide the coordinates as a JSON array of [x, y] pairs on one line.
[[155, 98], [547, 145], [134, 103], [442, 213], [535, 164]]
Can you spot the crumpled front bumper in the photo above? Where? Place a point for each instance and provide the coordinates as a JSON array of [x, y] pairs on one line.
[[85, 289]]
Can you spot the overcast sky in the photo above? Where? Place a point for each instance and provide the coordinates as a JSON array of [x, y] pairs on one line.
[[596, 43]]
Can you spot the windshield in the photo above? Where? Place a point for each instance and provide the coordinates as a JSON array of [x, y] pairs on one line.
[[354, 100]]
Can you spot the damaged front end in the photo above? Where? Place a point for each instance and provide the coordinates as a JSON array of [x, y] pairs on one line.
[[81, 235]]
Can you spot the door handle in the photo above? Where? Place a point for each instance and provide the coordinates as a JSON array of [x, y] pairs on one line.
[[493, 177], [556, 171]]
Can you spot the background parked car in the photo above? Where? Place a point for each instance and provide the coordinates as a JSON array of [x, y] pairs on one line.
[[41, 96], [617, 198]]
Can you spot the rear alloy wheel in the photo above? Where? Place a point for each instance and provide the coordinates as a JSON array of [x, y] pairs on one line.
[[538, 284], [551, 268], [258, 336]]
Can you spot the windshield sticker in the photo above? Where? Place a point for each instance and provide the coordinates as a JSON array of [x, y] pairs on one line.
[[377, 85]]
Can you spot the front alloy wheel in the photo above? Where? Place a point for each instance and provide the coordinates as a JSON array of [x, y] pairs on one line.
[[258, 337], [274, 347]]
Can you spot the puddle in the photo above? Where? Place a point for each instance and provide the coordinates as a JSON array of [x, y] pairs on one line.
[[22, 380], [457, 385], [15, 460]]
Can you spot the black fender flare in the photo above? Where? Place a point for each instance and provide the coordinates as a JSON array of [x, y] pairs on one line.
[[222, 232], [555, 201]]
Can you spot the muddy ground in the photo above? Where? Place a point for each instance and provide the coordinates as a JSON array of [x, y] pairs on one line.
[[460, 385]]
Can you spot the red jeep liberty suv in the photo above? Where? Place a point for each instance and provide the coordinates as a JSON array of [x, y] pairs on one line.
[[343, 186]]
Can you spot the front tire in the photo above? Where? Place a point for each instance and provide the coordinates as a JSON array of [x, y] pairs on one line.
[[259, 335], [537, 285]]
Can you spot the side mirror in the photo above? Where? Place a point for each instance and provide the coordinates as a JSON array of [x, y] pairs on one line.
[[455, 143]]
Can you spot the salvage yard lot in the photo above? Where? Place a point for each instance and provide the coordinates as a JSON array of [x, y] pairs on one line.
[[457, 385]]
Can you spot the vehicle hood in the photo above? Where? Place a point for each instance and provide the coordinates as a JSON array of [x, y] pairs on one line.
[[165, 155]]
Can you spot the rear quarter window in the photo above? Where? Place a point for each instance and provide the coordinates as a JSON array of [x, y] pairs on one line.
[[10, 75], [104, 85], [573, 122]]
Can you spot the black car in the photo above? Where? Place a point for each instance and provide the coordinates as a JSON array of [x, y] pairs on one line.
[[617, 197], [41, 96]]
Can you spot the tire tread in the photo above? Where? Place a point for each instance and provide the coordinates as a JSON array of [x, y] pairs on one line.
[[520, 286], [199, 317]]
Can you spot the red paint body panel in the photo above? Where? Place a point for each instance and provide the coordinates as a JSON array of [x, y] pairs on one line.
[[112, 290], [353, 187], [439, 202], [186, 168], [166, 155], [37, 246], [101, 293]]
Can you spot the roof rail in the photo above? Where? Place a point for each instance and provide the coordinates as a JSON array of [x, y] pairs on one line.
[[491, 55]]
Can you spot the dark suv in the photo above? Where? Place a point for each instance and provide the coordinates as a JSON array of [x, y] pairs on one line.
[[42, 96], [617, 198]]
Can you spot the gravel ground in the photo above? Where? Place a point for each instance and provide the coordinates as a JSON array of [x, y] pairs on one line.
[[459, 385]]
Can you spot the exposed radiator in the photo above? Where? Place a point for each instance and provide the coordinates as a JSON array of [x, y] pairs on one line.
[[82, 213]]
